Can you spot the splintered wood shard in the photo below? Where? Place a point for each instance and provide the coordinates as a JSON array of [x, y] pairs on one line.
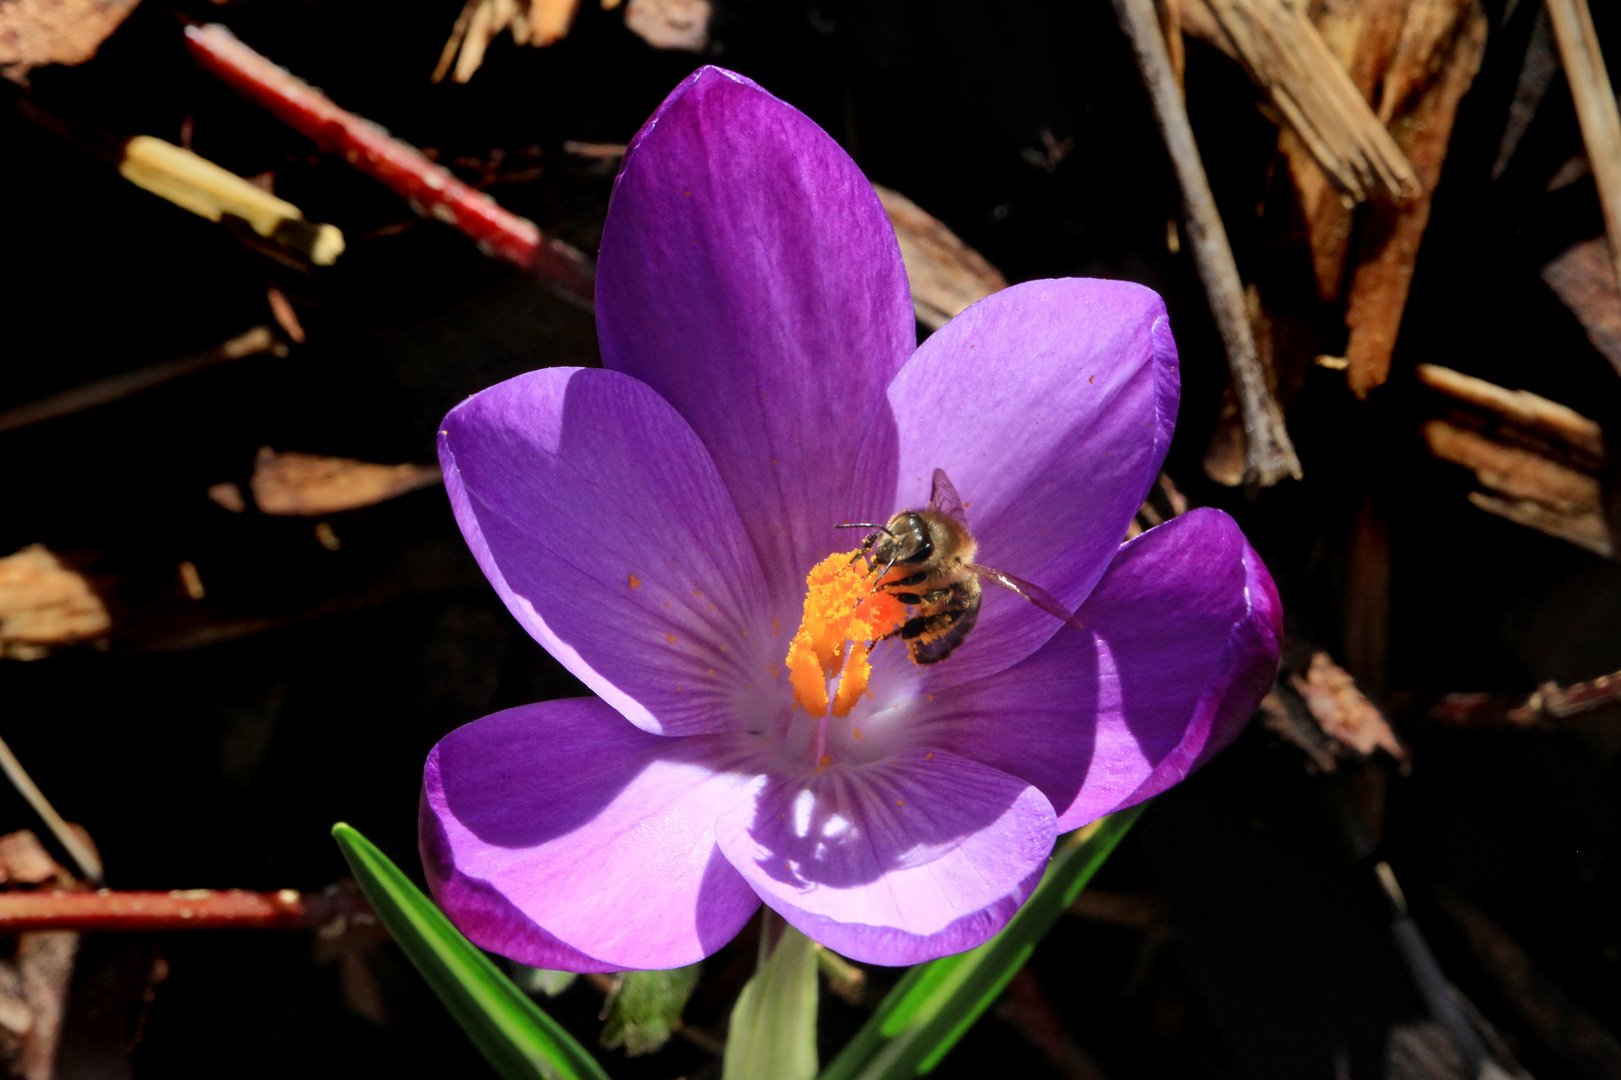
[[43, 604], [38, 32], [1287, 57], [1441, 48], [1269, 455], [308, 485], [1596, 108], [1539, 461], [532, 22], [946, 275], [432, 191]]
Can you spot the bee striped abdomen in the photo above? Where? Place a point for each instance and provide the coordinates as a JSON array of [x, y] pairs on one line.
[[943, 621]]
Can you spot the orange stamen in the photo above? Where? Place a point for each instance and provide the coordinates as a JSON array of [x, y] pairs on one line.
[[840, 608]]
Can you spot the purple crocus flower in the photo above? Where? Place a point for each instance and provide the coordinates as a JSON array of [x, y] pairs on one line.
[[652, 525]]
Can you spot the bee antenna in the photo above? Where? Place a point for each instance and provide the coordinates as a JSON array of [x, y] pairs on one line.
[[865, 525]]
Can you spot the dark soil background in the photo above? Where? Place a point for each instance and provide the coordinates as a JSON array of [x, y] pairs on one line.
[[214, 744]]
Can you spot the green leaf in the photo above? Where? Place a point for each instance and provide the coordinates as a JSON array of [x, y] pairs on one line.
[[772, 1035], [646, 1008], [935, 1004], [512, 1033]]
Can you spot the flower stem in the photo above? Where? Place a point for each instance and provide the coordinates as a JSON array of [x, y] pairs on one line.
[[773, 1030]]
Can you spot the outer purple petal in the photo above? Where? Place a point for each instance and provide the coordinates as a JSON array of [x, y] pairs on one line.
[[748, 274], [560, 836], [1183, 644], [1050, 405], [895, 862], [599, 518]]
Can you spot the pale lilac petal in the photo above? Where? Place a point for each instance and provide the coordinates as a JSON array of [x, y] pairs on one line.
[[748, 274], [599, 518], [893, 862], [1050, 405], [1182, 644], [561, 836]]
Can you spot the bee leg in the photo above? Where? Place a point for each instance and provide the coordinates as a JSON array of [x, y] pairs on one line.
[[910, 579]]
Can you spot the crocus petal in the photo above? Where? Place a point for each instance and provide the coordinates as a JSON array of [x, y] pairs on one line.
[[1050, 405], [599, 518], [561, 836], [1182, 643], [894, 862], [749, 275]]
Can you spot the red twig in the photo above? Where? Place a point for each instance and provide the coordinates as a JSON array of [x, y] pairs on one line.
[[190, 909], [431, 190]]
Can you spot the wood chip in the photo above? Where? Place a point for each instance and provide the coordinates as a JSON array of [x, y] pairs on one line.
[[44, 604], [25, 861], [1520, 408], [1345, 715], [946, 274], [1513, 471], [34, 33], [670, 24], [1441, 48], [1583, 276], [1596, 109], [531, 22], [308, 485], [1286, 56]]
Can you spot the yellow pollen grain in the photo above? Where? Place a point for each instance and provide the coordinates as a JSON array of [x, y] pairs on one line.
[[634, 583], [697, 592], [929, 755], [825, 760], [669, 637], [900, 802], [855, 733], [841, 609]]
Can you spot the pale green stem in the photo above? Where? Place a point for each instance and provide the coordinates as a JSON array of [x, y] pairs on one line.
[[773, 1030]]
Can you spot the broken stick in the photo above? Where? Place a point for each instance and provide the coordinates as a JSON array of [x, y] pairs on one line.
[[1596, 111], [1269, 456], [430, 189]]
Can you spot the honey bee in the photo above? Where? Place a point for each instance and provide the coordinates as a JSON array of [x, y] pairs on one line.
[[928, 564]]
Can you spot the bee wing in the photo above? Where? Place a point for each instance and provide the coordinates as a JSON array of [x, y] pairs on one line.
[[1038, 596], [945, 499]]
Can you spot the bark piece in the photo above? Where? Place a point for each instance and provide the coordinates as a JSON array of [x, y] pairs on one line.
[[1515, 472], [1596, 109], [946, 274], [308, 485], [1442, 44], [1287, 57], [34, 33], [1583, 276], [1520, 408], [670, 24], [1343, 712], [531, 22], [1549, 706], [44, 604]]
